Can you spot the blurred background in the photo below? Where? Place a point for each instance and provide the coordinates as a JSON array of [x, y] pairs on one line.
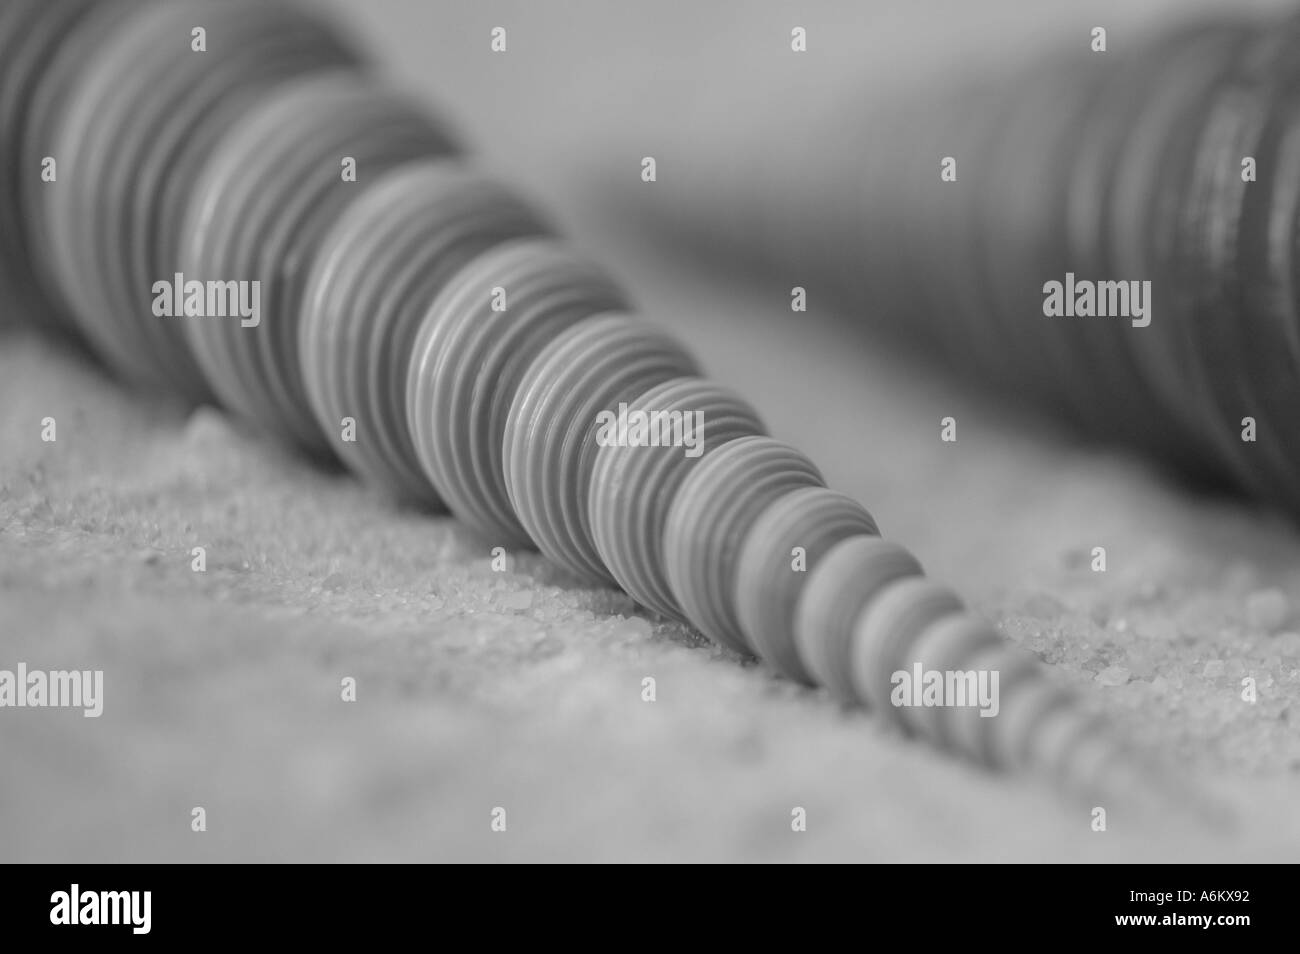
[[479, 690]]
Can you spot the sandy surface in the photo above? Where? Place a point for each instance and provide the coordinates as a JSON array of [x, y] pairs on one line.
[[522, 689]]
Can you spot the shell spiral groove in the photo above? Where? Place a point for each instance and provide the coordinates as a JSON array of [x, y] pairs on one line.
[[387, 256], [469, 358], [549, 450], [707, 522], [472, 349], [260, 212]]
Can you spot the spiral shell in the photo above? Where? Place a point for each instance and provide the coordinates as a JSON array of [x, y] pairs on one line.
[[382, 302], [768, 584], [268, 195], [965, 728], [1060, 737], [1023, 706], [377, 272], [550, 440], [946, 645], [633, 487], [131, 143], [30, 36], [59, 79], [469, 359], [715, 506], [838, 589], [882, 634]]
